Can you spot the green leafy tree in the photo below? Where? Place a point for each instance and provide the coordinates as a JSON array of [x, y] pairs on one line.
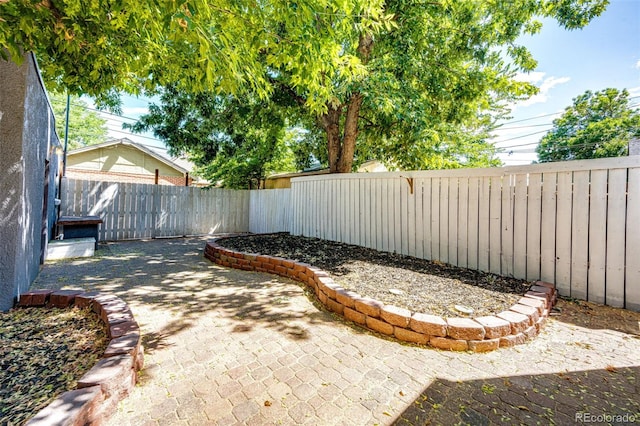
[[598, 124], [86, 127], [413, 82], [101, 47], [234, 141], [434, 81]]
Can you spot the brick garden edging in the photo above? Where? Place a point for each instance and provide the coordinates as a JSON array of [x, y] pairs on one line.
[[521, 322], [112, 378]]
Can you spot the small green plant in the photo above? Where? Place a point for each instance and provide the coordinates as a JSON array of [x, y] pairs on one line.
[[488, 389]]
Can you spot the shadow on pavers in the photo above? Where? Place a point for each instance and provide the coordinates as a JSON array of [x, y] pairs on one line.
[[607, 396], [173, 275]]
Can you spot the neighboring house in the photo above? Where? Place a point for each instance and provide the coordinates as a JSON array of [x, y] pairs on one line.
[[122, 160], [283, 180], [30, 156]]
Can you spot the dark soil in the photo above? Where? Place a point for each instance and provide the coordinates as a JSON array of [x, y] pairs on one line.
[[416, 284], [43, 353]]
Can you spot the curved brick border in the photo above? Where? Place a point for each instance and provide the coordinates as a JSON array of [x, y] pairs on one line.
[[521, 322], [112, 378]]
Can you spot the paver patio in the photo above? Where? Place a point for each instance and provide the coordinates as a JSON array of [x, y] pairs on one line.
[[231, 347]]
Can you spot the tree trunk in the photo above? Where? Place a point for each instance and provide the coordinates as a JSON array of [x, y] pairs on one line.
[[331, 125], [342, 144]]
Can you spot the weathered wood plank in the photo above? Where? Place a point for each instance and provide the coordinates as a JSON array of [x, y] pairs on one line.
[[548, 228], [452, 235], [495, 225], [534, 220], [563, 233], [520, 222], [632, 289], [473, 223], [616, 219], [484, 224], [580, 235]]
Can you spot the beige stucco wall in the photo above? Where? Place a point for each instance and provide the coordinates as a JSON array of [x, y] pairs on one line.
[[119, 159]]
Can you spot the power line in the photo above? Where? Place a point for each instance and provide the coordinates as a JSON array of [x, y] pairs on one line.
[[522, 127], [520, 137]]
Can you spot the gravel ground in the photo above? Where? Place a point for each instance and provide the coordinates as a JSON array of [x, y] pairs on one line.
[[416, 284], [43, 353]]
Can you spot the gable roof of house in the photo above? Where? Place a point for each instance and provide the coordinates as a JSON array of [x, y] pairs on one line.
[[182, 167]]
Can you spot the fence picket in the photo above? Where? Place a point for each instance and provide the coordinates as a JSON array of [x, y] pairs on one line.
[[616, 219], [473, 223], [452, 217], [580, 234], [548, 227], [495, 225], [484, 224], [534, 220], [632, 290], [520, 222], [563, 233]]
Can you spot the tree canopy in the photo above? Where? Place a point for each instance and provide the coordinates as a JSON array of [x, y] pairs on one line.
[[101, 47], [415, 83], [234, 141], [598, 124], [86, 127]]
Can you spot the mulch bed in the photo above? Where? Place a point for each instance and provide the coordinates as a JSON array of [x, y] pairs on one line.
[[407, 282], [43, 353]]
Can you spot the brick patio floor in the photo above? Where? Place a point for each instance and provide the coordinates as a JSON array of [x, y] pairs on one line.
[[231, 347]]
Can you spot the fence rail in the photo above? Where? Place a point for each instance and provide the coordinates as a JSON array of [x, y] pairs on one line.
[[134, 211], [573, 223]]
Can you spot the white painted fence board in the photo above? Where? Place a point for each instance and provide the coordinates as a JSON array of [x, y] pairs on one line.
[[386, 219], [616, 219], [473, 223], [563, 234], [463, 222], [379, 244], [419, 217], [484, 224], [548, 227], [444, 220], [452, 217], [506, 238], [427, 211], [534, 219], [632, 290], [495, 225], [520, 222], [410, 217], [580, 234], [397, 215]]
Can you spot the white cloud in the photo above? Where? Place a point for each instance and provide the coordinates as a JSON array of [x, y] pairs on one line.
[[545, 84], [530, 77], [135, 111], [638, 64]]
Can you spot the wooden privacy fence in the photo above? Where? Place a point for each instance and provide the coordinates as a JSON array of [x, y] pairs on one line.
[[270, 211], [134, 211], [573, 223]]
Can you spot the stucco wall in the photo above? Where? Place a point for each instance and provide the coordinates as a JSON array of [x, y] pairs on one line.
[[26, 136]]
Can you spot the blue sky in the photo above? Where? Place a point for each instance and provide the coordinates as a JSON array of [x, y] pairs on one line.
[[604, 54]]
